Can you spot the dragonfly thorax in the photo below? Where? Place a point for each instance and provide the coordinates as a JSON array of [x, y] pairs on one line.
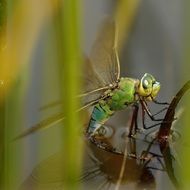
[[123, 95]]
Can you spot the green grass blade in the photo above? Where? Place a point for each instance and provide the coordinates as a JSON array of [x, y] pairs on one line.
[[69, 51]]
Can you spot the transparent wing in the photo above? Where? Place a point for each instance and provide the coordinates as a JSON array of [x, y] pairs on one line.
[[98, 73], [102, 69], [47, 175], [90, 80], [52, 120], [92, 86], [104, 55]]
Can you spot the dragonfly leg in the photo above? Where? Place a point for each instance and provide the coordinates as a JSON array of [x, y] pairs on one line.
[[151, 126], [149, 158], [132, 148], [154, 125], [134, 126], [158, 169], [162, 110], [160, 103], [147, 110], [143, 118], [163, 168]]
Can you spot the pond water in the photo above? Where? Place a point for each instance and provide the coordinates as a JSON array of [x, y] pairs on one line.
[[113, 160], [133, 163]]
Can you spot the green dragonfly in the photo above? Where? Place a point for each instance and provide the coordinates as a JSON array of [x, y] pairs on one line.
[[106, 90]]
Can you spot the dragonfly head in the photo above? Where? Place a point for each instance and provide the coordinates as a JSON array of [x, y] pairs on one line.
[[148, 87]]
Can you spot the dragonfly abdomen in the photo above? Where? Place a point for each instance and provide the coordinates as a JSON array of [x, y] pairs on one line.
[[100, 114]]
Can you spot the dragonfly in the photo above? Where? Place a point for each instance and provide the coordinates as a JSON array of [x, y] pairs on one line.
[[106, 90]]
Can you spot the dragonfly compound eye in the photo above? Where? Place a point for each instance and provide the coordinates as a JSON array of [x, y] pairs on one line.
[[155, 89], [145, 83], [148, 86]]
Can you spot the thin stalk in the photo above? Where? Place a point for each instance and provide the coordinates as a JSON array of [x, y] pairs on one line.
[[125, 14], [68, 32], [3, 24]]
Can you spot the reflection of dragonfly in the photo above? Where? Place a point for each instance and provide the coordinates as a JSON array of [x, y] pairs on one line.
[[121, 171], [136, 168], [106, 90]]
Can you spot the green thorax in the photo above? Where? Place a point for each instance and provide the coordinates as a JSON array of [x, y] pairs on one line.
[[124, 95], [118, 99]]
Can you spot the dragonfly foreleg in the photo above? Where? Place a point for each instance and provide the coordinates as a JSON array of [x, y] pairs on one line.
[[160, 103], [134, 125], [146, 109], [143, 119], [154, 125]]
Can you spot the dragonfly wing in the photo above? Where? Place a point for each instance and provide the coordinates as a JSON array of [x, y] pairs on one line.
[[104, 55], [98, 73], [92, 86], [90, 79], [47, 175], [52, 120], [102, 69]]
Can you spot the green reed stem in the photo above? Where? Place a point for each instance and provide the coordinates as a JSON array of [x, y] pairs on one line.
[[68, 31], [3, 20]]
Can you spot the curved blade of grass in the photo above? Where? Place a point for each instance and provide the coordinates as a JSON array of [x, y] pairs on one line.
[[165, 127]]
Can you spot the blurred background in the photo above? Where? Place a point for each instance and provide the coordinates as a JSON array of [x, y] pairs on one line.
[[41, 47]]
